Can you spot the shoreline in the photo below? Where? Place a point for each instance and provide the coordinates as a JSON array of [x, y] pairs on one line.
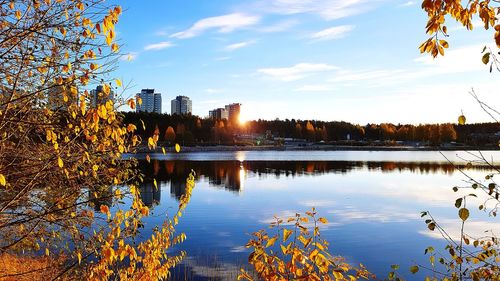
[[223, 148]]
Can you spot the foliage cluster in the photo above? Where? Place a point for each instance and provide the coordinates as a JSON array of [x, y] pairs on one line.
[[302, 253], [61, 147]]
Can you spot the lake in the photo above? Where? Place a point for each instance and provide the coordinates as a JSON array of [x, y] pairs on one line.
[[372, 201]]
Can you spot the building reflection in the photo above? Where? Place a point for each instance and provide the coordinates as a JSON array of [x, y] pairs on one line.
[[177, 189], [230, 175], [150, 195]]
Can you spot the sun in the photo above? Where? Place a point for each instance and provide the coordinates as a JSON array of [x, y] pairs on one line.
[[241, 121]]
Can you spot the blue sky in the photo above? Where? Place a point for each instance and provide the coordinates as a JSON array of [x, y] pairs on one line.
[[350, 60]]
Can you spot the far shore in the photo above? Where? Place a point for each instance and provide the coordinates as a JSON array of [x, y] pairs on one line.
[[317, 147]]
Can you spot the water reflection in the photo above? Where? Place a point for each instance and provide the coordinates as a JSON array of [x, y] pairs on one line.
[[230, 175], [373, 207], [150, 195]]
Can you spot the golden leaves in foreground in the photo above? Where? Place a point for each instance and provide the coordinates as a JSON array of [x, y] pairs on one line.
[[438, 11], [305, 257], [151, 259]]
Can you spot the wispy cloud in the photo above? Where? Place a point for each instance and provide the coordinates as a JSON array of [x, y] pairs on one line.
[[327, 9], [222, 58], [316, 203], [239, 45], [279, 26], [129, 56], [331, 33], [213, 91], [314, 88], [297, 71], [408, 3], [158, 46], [363, 75], [223, 24], [463, 59]]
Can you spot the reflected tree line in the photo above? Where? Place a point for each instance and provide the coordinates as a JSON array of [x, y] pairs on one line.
[[230, 175]]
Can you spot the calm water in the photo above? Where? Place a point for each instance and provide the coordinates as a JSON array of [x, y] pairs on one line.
[[372, 200]]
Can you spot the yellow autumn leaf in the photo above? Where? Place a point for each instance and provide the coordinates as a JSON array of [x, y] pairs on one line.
[[286, 234], [271, 242], [461, 120], [2, 180], [60, 162], [102, 112], [177, 147], [163, 150], [151, 142], [79, 255], [115, 48], [283, 249], [323, 220], [155, 184]]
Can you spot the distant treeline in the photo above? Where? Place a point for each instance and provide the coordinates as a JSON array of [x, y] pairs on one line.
[[191, 129]]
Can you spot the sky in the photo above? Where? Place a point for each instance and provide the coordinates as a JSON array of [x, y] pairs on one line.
[[334, 60]]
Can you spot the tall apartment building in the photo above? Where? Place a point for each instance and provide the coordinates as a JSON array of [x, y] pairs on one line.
[[181, 105], [151, 101], [233, 112], [97, 96], [218, 114]]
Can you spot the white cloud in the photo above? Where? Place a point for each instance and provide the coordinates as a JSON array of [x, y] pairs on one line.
[[222, 58], [314, 88], [316, 203], [129, 57], [327, 9], [223, 24], [462, 59], [158, 46], [239, 45], [407, 4], [335, 32], [279, 27], [297, 71], [213, 91], [239, 249], [363, 75], [348, 215], [473, 228], [459, 26], [459, 59]]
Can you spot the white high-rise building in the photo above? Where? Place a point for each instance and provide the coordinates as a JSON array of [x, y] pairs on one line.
[[181, 105], [151, 101]]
